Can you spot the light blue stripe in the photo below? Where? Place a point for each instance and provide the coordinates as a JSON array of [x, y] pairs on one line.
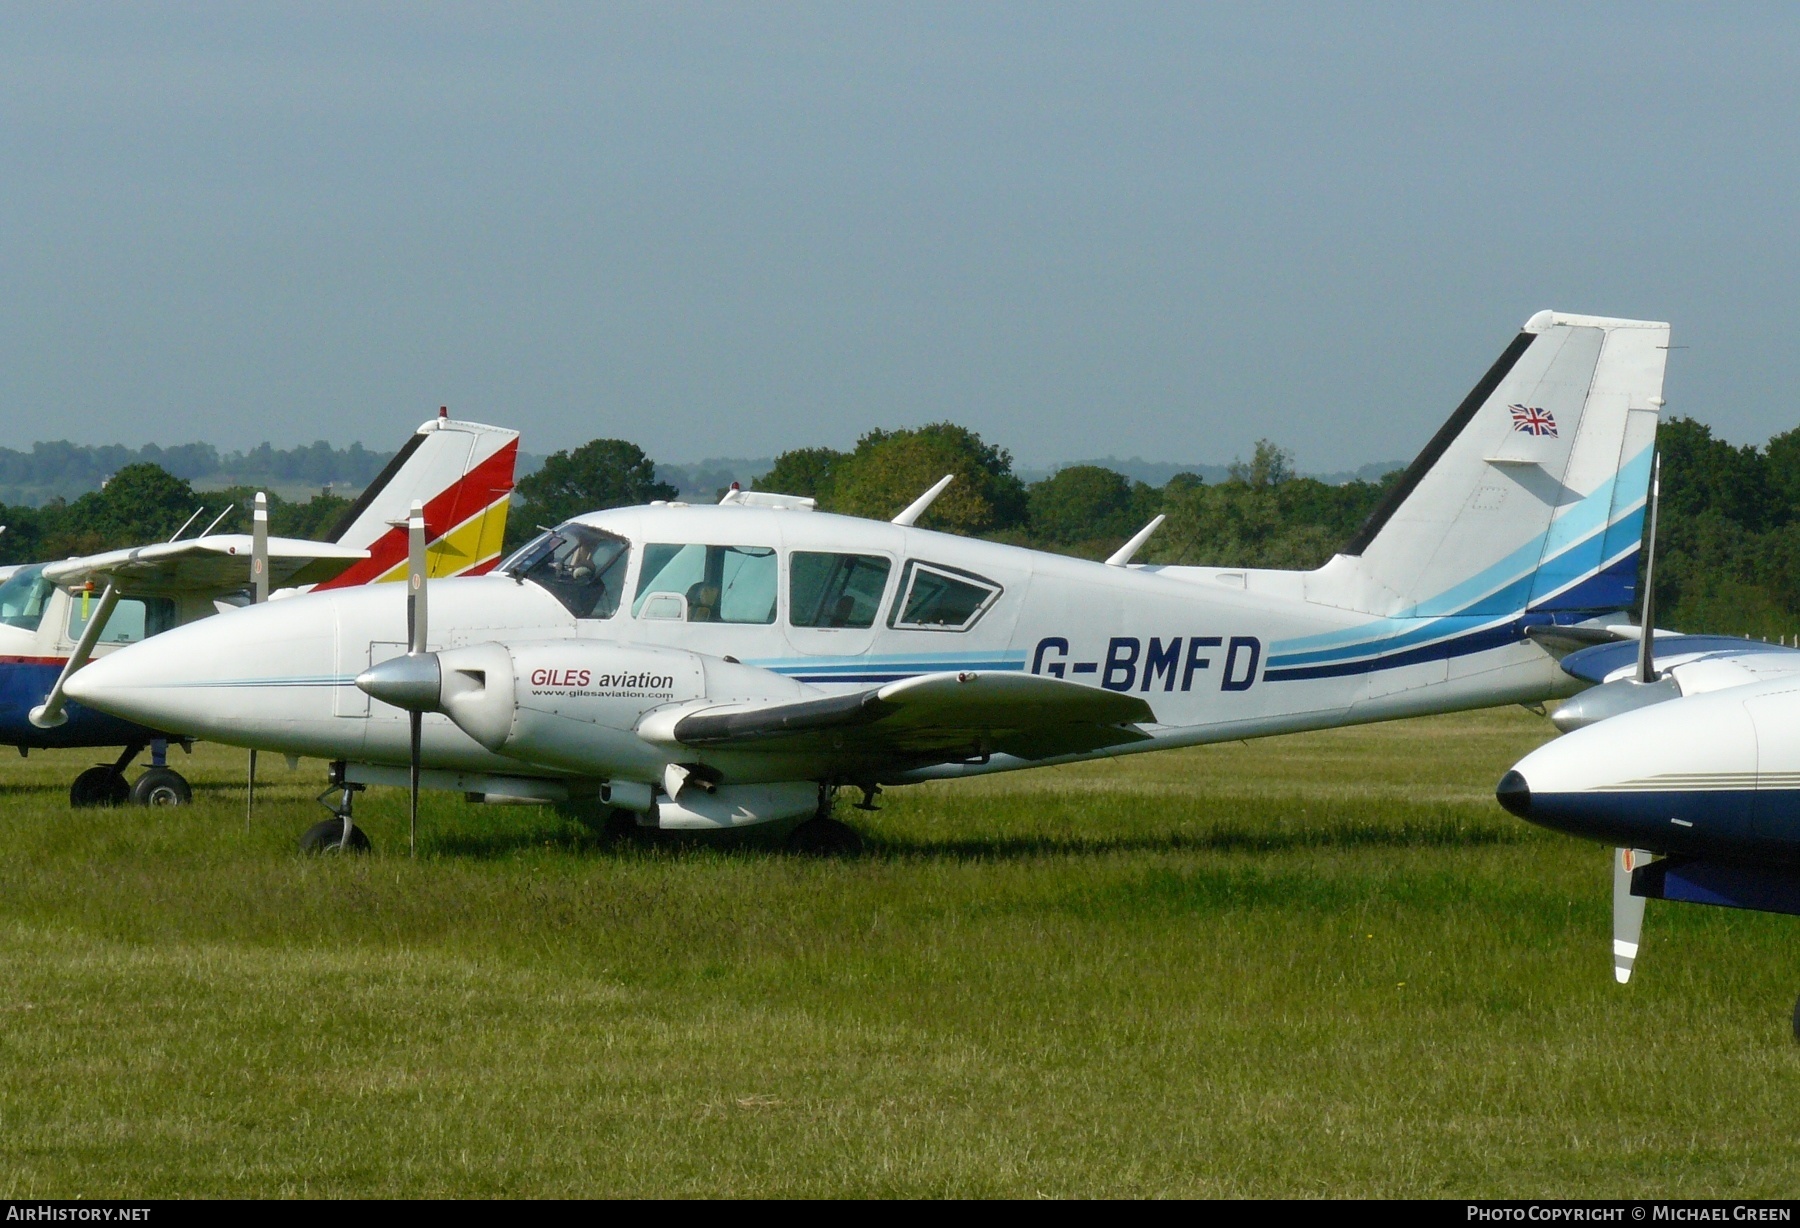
[[1578, 536]]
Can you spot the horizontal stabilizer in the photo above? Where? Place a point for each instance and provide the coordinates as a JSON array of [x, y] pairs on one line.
[[960, 714]]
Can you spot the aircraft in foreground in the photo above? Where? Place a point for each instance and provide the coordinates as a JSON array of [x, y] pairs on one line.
[[1695, 780], [724, 666], [1684, 755], [55, 617]]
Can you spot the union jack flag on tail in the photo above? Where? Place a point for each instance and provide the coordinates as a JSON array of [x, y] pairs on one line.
[[1533, 421]]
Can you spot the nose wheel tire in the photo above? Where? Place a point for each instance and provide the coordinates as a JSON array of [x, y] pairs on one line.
[[99, 786], [161, 787], [825, 838], [328, 837]]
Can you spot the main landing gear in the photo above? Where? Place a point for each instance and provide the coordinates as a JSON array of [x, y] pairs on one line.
[[823, 837], [337, 834], [105, 784]]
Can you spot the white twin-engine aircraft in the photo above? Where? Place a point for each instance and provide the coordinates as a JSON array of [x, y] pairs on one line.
[[712, 667]]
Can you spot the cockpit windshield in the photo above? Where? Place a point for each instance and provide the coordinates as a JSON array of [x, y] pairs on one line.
[[24, 596], [582, 567]]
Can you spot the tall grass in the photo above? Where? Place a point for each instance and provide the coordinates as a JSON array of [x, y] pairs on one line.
[[1318, 965]]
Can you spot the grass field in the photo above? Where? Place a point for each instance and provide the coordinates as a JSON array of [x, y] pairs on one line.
[[1321, 965]]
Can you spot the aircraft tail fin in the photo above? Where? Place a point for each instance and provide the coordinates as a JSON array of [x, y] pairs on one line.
[[463, 473], [1531, 497]]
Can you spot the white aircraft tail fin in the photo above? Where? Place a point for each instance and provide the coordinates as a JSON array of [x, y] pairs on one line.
[[1530, 499], [463, 473]]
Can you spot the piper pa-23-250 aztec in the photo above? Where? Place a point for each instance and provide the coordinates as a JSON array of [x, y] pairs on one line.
[[721, 666], [55, 616]]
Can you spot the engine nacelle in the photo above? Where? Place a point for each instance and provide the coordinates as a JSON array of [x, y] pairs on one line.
[[576, 705]]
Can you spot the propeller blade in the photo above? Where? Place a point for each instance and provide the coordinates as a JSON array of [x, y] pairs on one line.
[[259, 587], [1646, 669], [416, 720], [1628, 912], [259, 547], [415, 577], [416, 630]]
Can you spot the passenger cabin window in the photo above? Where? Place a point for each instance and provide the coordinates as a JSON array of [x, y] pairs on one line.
[[707, 584], [133, 618], [24, 596], [938, 598], [582, 567], [835, 590]]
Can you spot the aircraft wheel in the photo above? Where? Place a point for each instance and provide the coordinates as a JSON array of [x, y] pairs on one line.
[[622, 827], [161, 787], [328, 837], [825, 838], [98, 786]]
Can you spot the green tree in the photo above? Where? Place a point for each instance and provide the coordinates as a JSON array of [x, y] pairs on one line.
[[889, 469], [1700, 472], [1081, 503], [803, 471], [601, 473], [141, 503], [1270, 465]]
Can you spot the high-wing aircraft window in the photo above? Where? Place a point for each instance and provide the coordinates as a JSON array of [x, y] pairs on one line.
[[133, 619], [582, 567], [24, 596], [835, 590], [937, 598], [721, 584]]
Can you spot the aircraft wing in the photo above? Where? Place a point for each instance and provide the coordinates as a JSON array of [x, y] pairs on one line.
[[1726, 656], [206, 565], [935, 717]]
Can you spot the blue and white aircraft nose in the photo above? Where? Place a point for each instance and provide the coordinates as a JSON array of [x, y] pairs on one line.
[[1514, 794], [1664, 778]]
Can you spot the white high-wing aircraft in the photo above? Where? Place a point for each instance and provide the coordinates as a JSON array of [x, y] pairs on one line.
[[55, 616], [711, 667]]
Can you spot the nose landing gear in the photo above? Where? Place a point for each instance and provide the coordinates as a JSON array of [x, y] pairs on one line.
[[337, 834]]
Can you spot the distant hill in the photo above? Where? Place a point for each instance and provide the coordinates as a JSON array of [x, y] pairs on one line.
[[63, 470], [1158, 473]]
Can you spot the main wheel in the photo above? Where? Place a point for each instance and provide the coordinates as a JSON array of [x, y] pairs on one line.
[[825, 838], [328, 837], [98, 786], [161, 787], [622, 826]]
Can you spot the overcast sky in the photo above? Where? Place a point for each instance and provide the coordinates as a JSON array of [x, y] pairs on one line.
[[1159, 230]]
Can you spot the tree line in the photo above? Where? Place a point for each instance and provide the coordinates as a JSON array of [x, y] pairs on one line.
[[1729, 540], [60, 469]]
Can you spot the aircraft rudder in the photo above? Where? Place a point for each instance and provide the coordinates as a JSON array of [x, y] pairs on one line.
[[463, 473], [1528, 494]]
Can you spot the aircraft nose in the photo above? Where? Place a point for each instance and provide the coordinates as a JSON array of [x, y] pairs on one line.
[[1514, 794]]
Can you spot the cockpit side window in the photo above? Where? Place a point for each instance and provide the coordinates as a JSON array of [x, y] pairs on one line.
[[581, 566], [715, 584], [133, 619], [24, 596], [934, 597], [835, 590]]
